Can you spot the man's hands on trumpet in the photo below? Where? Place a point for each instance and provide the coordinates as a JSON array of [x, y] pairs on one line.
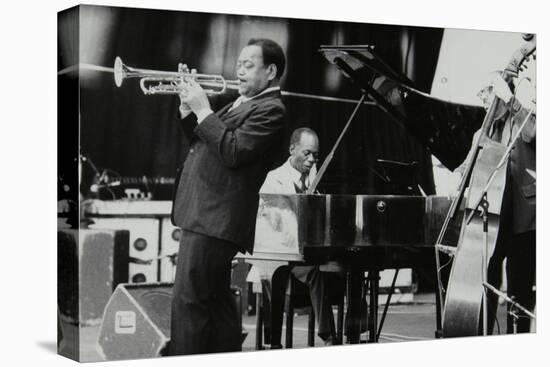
[[192, 97]]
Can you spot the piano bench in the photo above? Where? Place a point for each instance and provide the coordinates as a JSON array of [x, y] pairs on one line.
[[298, 301], [291, 310]]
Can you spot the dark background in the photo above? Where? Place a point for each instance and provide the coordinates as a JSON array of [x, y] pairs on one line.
[[136, 135]]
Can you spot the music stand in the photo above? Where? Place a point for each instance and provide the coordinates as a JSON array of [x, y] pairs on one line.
[[399, 177]]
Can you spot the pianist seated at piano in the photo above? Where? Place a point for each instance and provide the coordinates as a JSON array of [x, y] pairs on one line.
[[294, 177]]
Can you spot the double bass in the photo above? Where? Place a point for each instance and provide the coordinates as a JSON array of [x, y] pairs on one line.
[[485, 175]]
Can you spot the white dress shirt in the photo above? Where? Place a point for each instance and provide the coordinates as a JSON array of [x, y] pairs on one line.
[[283, 179]]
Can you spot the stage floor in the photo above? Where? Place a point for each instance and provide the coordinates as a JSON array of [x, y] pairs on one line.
[[404, 322]]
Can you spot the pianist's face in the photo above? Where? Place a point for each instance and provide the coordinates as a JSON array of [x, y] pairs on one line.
[[303, 155]]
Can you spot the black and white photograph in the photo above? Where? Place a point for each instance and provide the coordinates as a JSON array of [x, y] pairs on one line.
[[249, 186]]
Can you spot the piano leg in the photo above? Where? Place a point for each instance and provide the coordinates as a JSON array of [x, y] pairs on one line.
[[340, 324], [373, 281], [354, 285]]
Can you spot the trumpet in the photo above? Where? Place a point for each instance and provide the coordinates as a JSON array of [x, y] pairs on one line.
[[169, 82]]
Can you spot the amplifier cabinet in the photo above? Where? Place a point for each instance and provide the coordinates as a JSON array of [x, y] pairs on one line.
[[90, 264], [144, 245]]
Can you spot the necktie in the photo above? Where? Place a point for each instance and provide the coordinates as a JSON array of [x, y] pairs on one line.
[[302, 188], [237, 103]]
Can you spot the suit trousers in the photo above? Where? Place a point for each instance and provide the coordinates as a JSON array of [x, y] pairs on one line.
[[520, 272], [520, 253], [315, 280], [204, 314], [519, 250]]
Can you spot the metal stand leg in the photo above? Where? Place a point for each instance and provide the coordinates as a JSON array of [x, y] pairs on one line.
[[387, 305], [438, 310], [484, 262]]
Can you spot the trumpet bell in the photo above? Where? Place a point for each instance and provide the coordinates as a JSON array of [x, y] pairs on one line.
[[118, 71], [167, 82]]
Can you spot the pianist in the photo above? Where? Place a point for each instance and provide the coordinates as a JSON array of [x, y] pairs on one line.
[[295, 176]]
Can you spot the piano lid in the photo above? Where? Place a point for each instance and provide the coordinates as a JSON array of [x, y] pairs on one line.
[[359, 56], [444, 128]]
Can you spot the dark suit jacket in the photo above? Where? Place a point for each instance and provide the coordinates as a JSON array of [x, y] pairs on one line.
[[518, 213], [228, 160], [522, 184]]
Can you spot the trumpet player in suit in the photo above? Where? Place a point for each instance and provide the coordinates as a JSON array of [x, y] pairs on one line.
[[231, 152]]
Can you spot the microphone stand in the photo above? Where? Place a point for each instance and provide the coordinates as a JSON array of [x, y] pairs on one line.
[[513, 304]]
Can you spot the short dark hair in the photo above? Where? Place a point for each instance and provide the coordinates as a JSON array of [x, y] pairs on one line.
[[272, 53], [297, 135]]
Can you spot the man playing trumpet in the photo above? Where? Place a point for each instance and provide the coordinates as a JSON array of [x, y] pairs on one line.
[[231, 152]]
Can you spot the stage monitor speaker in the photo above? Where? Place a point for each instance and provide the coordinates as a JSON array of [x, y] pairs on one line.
[[136, 322], [90, 264]]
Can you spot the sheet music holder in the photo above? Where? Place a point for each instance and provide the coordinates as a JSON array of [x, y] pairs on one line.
[[399, 177]]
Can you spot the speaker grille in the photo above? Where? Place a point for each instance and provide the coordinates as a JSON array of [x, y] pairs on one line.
[[156, 300]]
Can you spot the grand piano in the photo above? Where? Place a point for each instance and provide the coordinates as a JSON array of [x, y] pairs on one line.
[[369, 233], [356, 233]]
